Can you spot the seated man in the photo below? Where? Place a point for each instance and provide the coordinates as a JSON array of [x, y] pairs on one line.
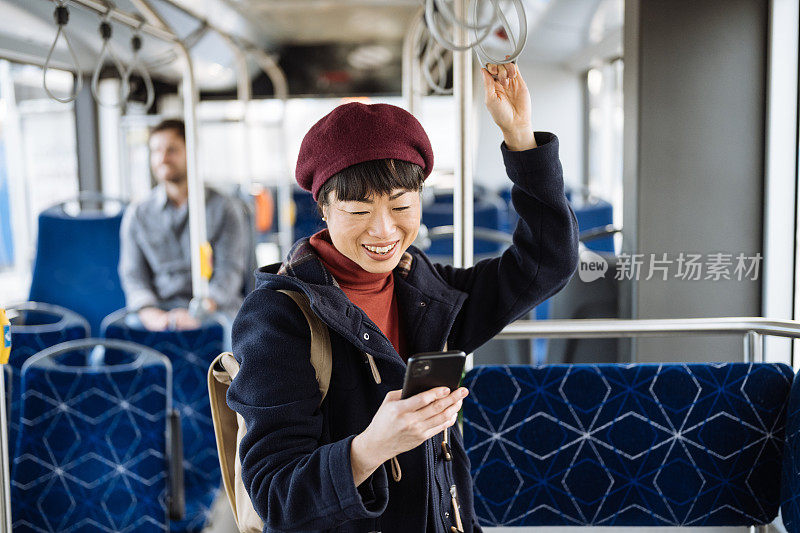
[[155, 266]]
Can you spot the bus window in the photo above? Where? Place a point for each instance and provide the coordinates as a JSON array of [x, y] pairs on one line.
[[39, 169]]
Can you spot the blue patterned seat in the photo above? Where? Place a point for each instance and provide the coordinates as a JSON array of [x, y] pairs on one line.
[[191, 353], [790, 474], [92, 452], [626, 445], [76, 262], [34, 327]]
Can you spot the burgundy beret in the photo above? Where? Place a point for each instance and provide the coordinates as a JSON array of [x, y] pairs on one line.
[[355, 132]]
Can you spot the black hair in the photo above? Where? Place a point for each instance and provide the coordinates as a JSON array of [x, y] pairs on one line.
[[363, 180], [171, 124]]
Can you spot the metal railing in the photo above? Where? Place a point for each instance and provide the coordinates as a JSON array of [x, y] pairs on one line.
[[752, 329]]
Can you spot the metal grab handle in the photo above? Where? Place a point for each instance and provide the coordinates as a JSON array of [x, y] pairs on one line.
[[654, 327], [61, 16], [751, 328], [90, 201], [136, 45], [106, 50], [139, 355], [66, 315], [598, 233], [176, 498]]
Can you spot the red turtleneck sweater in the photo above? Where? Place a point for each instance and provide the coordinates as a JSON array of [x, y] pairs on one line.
[[373, 293]]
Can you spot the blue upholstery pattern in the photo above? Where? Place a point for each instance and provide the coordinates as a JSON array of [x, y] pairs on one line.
[[76, 263], [36, 327], [626, 445], [92, 448], [191, 353], [790, 475]]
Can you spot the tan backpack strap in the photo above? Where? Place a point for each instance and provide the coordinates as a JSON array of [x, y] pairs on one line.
[[397, 474], [372, 366], [321, 353], [225, 423]]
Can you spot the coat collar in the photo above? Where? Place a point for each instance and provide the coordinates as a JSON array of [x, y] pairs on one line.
[[424, 298]]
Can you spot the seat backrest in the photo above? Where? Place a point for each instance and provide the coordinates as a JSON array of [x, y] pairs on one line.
[[306, 217], [93, 439], [190, 352], [489, 212], [626, 445], [790, 472], [76, 263], [34, 327], [592, 214]]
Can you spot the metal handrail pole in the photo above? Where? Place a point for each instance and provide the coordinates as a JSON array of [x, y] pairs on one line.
[[748, 347], [617, 328], [280, 86], [5, 474], [463, 190], [197, 196], [411, 96], [125, 18], [753, 347], [244, 94]]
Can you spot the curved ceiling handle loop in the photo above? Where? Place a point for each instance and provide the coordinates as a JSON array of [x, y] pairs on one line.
[[442, 6], [106, 50], [433, 27], [136, 64], [427, 63], [517, 45], [61, 17]]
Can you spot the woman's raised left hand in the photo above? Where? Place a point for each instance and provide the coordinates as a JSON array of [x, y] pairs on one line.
[[509, 102]]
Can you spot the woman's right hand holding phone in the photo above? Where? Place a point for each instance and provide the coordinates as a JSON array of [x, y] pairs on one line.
[[402, 425]]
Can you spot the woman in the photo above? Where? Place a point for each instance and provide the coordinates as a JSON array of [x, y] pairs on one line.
[[312, 467]]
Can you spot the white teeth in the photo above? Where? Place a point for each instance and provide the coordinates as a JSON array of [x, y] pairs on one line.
[[379, 249]]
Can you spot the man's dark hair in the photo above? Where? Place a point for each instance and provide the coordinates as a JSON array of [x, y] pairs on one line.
[[362, 180], [173, 124]]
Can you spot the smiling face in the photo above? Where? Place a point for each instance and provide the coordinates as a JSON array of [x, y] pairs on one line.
[[373, 211], [376, 231]]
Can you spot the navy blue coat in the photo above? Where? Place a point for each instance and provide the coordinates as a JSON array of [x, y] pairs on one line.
[[296, 453]]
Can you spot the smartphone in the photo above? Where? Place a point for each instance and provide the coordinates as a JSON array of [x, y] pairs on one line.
[[429, 370]]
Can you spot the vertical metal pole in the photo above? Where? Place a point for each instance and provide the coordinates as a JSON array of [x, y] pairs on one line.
[[462, 194], [243, 95], [286, 183], [197, 194], [753, 347], [87, 139], [411, 96], [5, 475]]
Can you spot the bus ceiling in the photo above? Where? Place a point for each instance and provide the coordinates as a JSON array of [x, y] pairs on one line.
[[325, 47]]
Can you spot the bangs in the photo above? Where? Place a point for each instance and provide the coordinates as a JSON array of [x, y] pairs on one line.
[[364, 180]]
